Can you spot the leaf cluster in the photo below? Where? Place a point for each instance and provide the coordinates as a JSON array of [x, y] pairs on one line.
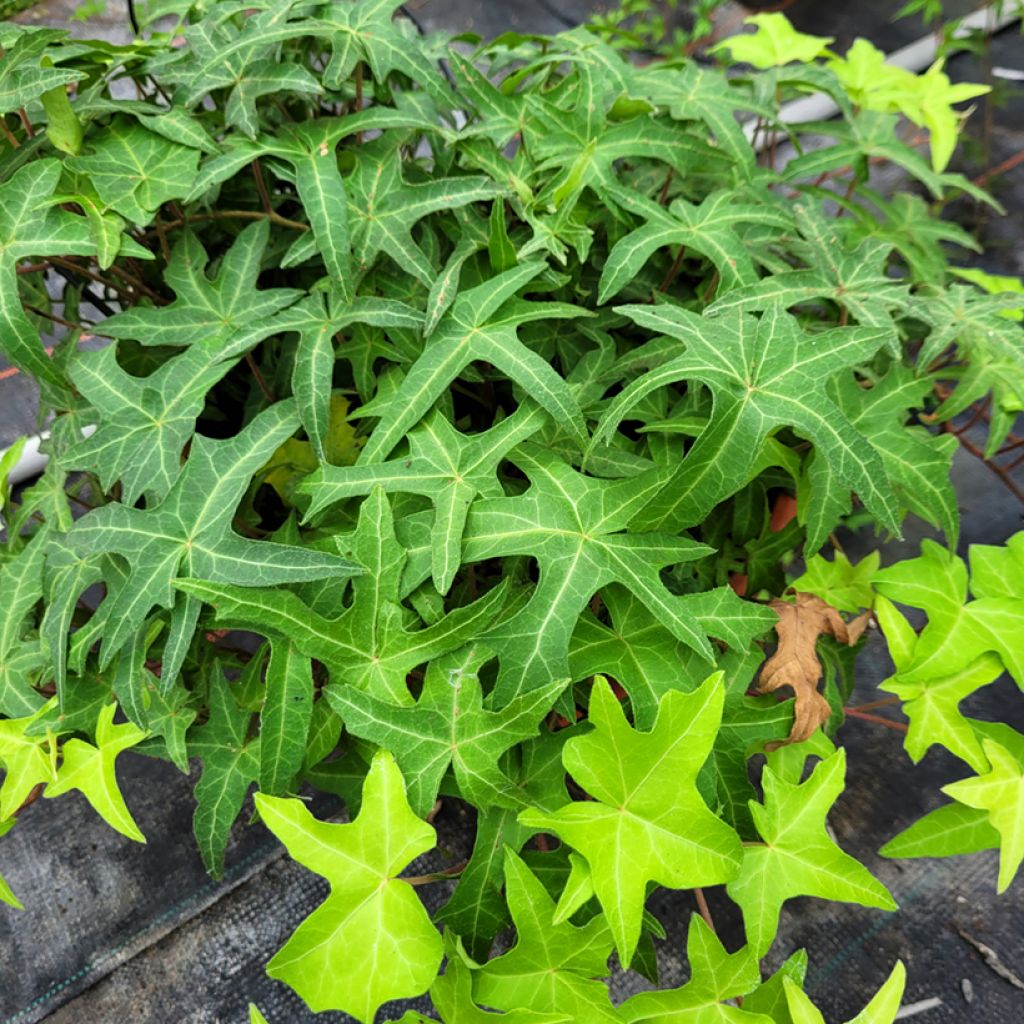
[[423, 416]]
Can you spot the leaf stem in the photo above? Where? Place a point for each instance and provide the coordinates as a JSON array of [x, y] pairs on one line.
[[877, 719], [704, 909], [436, 876]]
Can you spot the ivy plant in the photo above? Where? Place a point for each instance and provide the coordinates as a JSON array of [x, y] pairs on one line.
[[450, 423]]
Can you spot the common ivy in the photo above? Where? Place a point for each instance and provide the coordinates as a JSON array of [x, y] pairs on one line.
[[447, 423]]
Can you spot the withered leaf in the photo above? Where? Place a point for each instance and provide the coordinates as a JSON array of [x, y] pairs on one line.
[[795, 662]]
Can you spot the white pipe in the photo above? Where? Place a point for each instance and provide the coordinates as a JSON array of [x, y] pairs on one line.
[[915, 57], [32, 461]]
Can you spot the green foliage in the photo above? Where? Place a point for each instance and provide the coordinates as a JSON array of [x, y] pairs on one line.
[[471, 388]]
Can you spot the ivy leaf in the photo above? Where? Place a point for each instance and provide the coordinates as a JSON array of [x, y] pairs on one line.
[[239, 58], [715, 975], [285, 718], [30, 227], [231, 764], [840, 583], [144, 422], [933, 704], [948, 831], [477, 910], [855, 280], [1000, 791], [228, 313], [366, 32], [708, 228], [189, 534], [574, 526], [444, 465], [958, 631], [798, 858], [695, 93], [134, 170], [552, 968], [6, 892], [763, 374], [452, 996], [28, 761], [21, 656], [449, 725], [882, 1009], [647, 821], [24, 77], [774, 43], [482, 325], [637, 651], [90, 769], [318, 319], [368, 645], [371, 940], [384, 208]]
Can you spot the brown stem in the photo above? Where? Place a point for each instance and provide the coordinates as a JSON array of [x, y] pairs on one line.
[[673, 270], [26, 123], [436, 876], [993, 172], [261, 187], [663, 194], [53, 316], [884, 702], [34, 794], [705, 910], [274, 218], [264, 387], [8, 134], [877, 719]]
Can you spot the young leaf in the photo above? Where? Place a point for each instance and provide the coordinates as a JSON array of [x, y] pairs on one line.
[[798, 858], [90, 769], [371, 940], [958, 631], [774, 43], [948, 831], [882, 1009], [647, 821], [1000, 791], [552, 968], [28, 761], [715, 976], [6, 892]]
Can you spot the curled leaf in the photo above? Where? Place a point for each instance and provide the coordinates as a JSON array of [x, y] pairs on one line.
[[795, 662]]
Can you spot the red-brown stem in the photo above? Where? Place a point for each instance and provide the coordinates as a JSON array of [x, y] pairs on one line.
[[8, 134], [264, 387], [261, 187], [674, 269], [877, 719], [704, 909], [26, 123], [884, 702], [663, 194], [993, 172]]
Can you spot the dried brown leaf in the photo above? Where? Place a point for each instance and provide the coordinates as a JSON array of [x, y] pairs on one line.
[[795, 662]]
